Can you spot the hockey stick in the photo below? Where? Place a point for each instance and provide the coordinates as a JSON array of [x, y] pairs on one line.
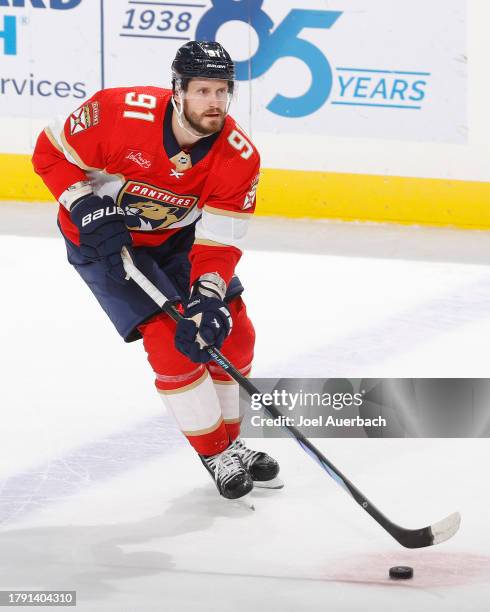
[[410, 538]]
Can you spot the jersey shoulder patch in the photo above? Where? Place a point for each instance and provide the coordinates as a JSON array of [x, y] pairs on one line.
[[84, 117]]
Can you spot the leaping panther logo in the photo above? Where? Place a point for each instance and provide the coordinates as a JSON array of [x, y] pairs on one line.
[[151, 211]]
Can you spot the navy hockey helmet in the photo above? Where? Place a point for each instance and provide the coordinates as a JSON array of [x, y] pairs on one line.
[[202, 59]]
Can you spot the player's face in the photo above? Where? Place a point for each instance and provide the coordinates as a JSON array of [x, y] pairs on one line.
[[205, 103]]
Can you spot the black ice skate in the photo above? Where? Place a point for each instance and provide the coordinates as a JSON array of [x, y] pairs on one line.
[[229, 474], [262, 467]]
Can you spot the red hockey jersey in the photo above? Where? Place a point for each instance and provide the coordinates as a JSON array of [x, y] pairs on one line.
[[120, 143]]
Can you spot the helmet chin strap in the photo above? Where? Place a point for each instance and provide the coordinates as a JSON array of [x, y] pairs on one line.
[[181, 118]]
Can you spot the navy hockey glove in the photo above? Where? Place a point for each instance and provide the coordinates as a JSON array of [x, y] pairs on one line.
[[207, 320], [103, 233]]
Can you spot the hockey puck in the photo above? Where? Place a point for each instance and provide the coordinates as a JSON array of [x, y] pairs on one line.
[[401, 572]]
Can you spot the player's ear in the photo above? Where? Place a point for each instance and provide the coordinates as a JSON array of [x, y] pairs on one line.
[[176, 90], [176, 95]]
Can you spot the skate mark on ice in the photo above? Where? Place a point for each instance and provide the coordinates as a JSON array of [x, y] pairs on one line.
[[95, 462]]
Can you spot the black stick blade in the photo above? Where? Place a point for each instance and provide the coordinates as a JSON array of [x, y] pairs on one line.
[[428, 536]]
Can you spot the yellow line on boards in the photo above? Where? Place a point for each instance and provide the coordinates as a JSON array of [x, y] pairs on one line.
[[19, 181], [411, 200], [322, 195]]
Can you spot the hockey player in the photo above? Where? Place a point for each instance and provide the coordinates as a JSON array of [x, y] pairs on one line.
[[172, 177]]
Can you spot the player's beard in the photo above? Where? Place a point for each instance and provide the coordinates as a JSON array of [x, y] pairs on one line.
[[205, 125]]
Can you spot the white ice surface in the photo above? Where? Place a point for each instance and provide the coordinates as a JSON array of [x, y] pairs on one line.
[[99, 493]]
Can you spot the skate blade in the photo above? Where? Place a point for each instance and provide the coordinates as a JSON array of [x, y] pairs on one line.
[[275, 483], [243, 502], [247, 500]]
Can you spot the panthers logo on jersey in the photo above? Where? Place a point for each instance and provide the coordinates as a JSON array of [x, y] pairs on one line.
[[149, 208]]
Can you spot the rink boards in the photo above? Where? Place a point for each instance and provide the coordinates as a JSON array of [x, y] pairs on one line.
[[344, 131]]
